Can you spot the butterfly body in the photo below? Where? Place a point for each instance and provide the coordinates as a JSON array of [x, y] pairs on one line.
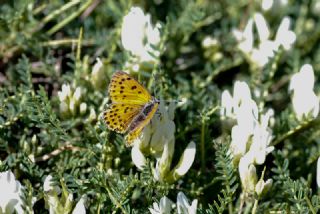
[[132, 106]]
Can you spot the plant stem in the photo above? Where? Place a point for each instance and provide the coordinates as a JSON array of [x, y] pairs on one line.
[[118, 204], [255, 206], [202, 144], [69, 18], [310, 205], [301, 127]]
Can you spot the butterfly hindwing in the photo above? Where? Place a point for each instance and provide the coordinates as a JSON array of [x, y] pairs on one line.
[[138, 123], [125, 89], [119, 116]]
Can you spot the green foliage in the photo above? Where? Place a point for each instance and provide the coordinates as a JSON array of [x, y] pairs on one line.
[[227, 176], [48, 45]]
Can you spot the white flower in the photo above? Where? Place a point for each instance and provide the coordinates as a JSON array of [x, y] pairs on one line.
[[266, 4], [157, 139], [230, 106], [80, 208], [318, 172], [239, 139], [137, 157], [51, 194], [273, 5], [284, 36], [247, 115], [97, 67], [260, 148], [77, 94], [262, 27], [304, 100], [183, 205], [186, 160], [60, 203], [263, 186], [69, 100], [226, 109], [83, 108], [72, 106], [266, 48], [63, 107], [98, 76], [11, 190], [245, 38], [241, 92], [251, 134], [92, 115], [48, 185], [160, 130], [138, 35], [65, 92], [164, 163], [261, 55], [164, 207], [247, 172]]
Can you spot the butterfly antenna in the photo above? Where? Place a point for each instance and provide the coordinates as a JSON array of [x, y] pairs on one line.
[[173, 101]]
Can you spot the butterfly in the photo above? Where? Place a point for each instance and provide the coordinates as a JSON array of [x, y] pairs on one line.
[[132, 107]]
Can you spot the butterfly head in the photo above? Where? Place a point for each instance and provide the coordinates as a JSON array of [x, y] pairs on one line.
[[155, 100]]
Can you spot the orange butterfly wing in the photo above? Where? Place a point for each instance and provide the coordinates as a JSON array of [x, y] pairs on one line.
[[129, 98]]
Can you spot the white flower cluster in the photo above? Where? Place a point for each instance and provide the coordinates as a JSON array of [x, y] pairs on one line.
[[140, 38], [11, 191], [250, 137], [158, 140], [266, 49], [70, 102], [183, 207]]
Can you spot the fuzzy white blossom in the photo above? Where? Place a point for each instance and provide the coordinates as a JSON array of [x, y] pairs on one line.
[[138, 35], [183, 204], [305, 101], [11, 190], [261, 54], [164, 206]]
